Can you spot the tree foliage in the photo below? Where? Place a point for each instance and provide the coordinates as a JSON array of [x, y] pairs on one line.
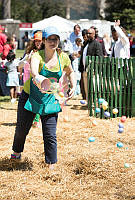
[[35, 10], [78, 5], [25, 11], [52, 7], [123, 10]]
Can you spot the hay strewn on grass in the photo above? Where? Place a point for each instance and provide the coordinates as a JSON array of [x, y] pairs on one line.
[[85, 171]]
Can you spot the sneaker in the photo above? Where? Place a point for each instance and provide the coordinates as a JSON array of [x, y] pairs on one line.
[[15, 157], [13, 100]]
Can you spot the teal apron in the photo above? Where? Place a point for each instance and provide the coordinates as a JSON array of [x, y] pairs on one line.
[[43, 103]]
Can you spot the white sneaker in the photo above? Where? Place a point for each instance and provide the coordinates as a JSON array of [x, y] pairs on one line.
[[13, 100]]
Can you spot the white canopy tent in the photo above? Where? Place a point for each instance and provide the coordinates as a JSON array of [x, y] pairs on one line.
[[64, 26]]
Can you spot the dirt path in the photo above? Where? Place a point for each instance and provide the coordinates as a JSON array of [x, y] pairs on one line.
[[85, 170]]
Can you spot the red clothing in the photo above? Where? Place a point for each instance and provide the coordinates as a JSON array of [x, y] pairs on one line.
[[3, 40], [6, 49], [101, 41]]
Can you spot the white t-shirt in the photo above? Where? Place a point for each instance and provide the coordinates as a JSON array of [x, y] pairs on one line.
[[84, 55]]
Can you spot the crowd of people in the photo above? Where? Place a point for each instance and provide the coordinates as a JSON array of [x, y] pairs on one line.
[[78, 45], [45, 58], [118, 45]]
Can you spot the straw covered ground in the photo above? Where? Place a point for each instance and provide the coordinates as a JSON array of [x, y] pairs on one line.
[[85, 170]]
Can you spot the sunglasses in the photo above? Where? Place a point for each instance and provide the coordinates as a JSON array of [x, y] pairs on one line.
[[88, 33], [52, 40]]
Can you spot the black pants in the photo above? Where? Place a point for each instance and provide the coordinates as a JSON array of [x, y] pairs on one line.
[[24, 122]]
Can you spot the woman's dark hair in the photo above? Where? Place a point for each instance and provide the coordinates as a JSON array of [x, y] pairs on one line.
[[11, 56], [84, 32], [31, 46], [77, 26], [78, 40]]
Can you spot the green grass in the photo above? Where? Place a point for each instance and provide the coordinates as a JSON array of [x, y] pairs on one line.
[[19, 53], [4, 98]]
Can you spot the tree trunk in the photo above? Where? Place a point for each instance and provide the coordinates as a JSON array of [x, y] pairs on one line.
[[98, 2], [6, 9], [67, 9]]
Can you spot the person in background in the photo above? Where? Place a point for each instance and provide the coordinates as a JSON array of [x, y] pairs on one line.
[[33, 45], [121, 46], [75, 34], [3, 40], [85, 39], [75, 63], [71, 40], [91, 48], [67, 47], [46, 64], [84, 35], [10, 45], [107, 42], [132, 48], [15, 43], [12, 79], [100, 40], [25, 39]]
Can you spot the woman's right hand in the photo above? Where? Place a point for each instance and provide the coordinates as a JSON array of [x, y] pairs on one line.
[[71, 93], [37, 80]]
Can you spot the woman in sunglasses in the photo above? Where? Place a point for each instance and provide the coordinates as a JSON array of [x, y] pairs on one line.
[[45, 64]]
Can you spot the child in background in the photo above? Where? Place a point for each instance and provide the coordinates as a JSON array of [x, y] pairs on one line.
[[33, 45], [12, 79], [75, 63]]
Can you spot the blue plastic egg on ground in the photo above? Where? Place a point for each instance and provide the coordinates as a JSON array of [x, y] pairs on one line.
[[91, 139], [106, 114], [119, 144], [97, 110], [120, 130], [82, 102], [100, 101], [121, 125], [126, 165]]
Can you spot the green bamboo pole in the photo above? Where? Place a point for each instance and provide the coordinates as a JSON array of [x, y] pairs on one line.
[[91, 84], [100, 81], [104, 82], [88, 61], [120, 90], [125, 87], [112, 86], [100, 77], [129, 94], [116, 83], [108, 80], [95, 82], [133, 87]]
